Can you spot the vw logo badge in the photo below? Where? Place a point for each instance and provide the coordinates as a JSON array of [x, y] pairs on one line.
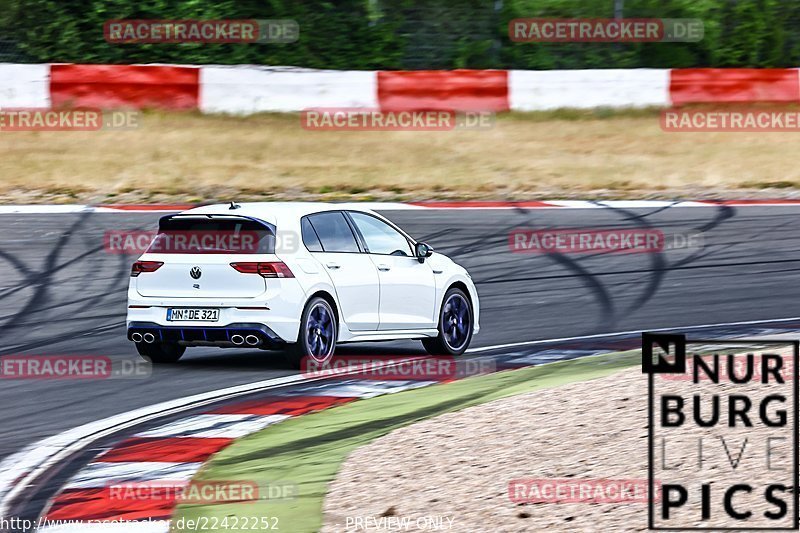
[[196, 272]]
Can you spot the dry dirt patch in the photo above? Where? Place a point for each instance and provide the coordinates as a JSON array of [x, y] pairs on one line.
[[190, 157], [459, 465]]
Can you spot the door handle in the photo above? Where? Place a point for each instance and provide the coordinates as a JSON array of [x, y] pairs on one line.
[[332, 266], [384, 268]]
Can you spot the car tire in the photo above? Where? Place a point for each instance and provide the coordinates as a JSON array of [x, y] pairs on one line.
[[158, 353], [455, 325], [316, 339]]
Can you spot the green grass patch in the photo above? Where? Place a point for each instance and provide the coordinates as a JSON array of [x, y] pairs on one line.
[[307, 451]]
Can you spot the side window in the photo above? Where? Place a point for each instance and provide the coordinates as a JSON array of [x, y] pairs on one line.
[[334, 233], [310, 238], [380, 237]]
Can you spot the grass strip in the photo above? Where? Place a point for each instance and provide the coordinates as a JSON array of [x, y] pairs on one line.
[[551, 155]]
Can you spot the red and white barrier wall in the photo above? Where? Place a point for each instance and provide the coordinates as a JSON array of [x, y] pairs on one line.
[[541, 90], [461, 90], [734, 85], [253, 89], [112, 86], [24, 85]]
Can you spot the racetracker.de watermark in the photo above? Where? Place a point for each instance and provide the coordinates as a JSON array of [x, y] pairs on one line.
[[625, 241], [201, 492], [571, 490], [137, 242], [181, 242], [249, 31], [80, 367], [389, 368], [556, 30], [83, 119], [358, 119], [734, 119]]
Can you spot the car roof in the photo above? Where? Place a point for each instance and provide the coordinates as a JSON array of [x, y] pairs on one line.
[[273, 212]]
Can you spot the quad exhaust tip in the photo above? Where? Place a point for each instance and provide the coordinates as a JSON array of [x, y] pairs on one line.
[[136, 337], [238, 340], [149, 338], [252, 340]]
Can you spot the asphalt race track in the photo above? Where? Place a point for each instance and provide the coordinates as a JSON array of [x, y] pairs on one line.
[[61, 293]]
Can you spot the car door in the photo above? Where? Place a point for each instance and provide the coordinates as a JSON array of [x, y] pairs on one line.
[[407, 287], [331, 240]]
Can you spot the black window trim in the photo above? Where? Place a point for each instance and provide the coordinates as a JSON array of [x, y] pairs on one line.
[[356, 237], [411, 242], [315, 234], [362, 243]]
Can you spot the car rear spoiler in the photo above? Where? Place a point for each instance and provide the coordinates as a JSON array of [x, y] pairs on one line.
[[210, 216]]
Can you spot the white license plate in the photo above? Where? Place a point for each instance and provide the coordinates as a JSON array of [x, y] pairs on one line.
[[187, 314]]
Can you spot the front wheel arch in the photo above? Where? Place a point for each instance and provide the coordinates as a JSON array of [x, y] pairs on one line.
[[438, 345], [457, 283], [463, 286]]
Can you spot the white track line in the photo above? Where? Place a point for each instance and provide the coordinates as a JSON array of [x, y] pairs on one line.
[[41, 209], [398, 206], [359, 388], [620, 333], [100, 475], [80, 208], [214, 426]]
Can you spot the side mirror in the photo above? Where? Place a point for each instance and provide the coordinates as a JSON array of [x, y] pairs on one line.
[[423, 250]]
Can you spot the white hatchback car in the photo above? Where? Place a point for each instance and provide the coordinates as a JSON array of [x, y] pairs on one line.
[[295, 276]]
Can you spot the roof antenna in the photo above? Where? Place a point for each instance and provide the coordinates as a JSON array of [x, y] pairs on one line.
[[234, 205]]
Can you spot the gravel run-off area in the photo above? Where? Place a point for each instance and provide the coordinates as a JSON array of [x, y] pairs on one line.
[[453, 471]]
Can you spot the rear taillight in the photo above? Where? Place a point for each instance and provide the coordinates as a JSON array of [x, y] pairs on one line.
[[144, 266], [275, 269]]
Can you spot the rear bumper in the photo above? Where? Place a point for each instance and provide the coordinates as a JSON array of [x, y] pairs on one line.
[[208, 336], [278, 310], [283, 322]]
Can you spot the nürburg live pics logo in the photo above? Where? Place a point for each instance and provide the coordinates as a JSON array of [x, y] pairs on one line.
[[722, 433]]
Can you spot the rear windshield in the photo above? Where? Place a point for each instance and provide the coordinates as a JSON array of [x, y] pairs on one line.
[[212, 236]]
